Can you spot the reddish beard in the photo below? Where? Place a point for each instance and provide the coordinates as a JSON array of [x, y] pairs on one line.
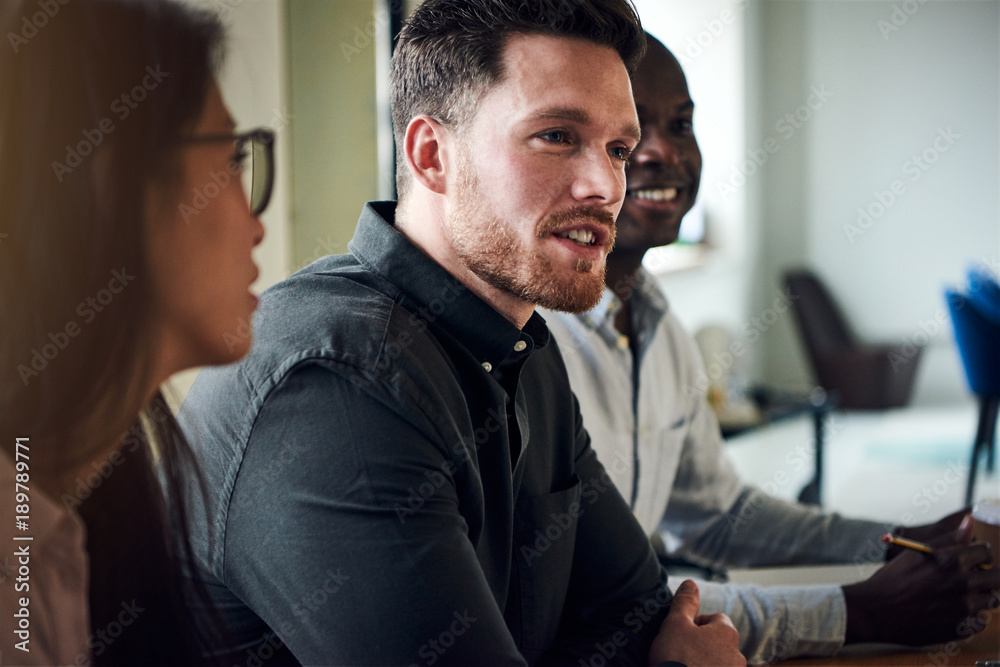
[[492, 252], [566, 218]]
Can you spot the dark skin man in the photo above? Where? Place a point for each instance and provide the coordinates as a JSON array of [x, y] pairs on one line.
[[915, 599]]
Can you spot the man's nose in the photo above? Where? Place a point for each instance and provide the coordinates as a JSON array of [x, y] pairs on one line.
[[655, 149], [599, 178]]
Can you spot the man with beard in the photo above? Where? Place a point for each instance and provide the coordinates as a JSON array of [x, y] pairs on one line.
[[631, 363], [397, 473]]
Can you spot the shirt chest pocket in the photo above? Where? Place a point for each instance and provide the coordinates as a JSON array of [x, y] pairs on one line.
[[544, 545]]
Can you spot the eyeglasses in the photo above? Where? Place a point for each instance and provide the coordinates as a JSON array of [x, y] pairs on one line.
[[258, 146]]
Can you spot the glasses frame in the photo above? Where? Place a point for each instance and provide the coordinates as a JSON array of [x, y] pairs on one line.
[[260, 135]]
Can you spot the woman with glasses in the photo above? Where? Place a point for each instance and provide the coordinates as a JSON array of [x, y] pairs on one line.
[[126, 231]]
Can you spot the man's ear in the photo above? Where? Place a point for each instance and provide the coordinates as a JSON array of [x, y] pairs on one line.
[[426, 147]]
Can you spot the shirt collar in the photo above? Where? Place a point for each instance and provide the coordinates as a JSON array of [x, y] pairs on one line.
[[604, 311], [649, 305], [444, 300]]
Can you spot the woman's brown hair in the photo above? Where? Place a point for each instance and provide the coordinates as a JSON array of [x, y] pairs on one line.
[[95, 96]]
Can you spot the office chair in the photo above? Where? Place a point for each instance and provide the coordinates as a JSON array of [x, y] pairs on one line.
[[976, 318], [984, 290], [862, 376]]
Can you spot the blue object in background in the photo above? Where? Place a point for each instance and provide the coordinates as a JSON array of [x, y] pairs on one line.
[[976, 318]]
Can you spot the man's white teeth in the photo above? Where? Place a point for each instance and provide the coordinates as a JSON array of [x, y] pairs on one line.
[[581, 236], [662, 194]]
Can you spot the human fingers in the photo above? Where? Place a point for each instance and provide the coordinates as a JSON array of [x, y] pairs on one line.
[[951, 522], [966, 556], [687, 600], [959, 535], [982, 606], [930, 531], [713, 619], [985, 579]]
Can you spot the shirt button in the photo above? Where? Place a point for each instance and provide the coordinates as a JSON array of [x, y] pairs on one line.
[[519, 346], [622, 342], [487, 366]]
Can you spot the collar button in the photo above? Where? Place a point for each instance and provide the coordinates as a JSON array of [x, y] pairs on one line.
[[519, 346], [487, 366]]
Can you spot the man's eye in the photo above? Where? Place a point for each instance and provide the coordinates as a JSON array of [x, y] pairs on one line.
[[684, 126], [554, 136], [622, 153]]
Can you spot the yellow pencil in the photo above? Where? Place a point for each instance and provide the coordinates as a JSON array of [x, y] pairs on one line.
[[889, 538]]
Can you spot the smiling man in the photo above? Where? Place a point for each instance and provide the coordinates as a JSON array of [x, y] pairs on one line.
[[398, 472], [630, 363]]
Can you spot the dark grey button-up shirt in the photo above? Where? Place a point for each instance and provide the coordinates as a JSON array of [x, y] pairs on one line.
[[397, 475]]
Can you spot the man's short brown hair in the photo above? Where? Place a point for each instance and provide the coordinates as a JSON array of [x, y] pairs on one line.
[[450, 52]]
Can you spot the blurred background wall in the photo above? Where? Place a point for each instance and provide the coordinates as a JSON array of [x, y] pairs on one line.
[[851, 98]]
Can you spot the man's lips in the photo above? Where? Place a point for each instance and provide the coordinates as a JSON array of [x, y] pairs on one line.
[[655, 194], [585, 234], [657, 197], [581, 228]]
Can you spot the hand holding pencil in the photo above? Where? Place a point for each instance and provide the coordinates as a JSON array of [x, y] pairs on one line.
[[945, 528], [924, 597], [889, 538]]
